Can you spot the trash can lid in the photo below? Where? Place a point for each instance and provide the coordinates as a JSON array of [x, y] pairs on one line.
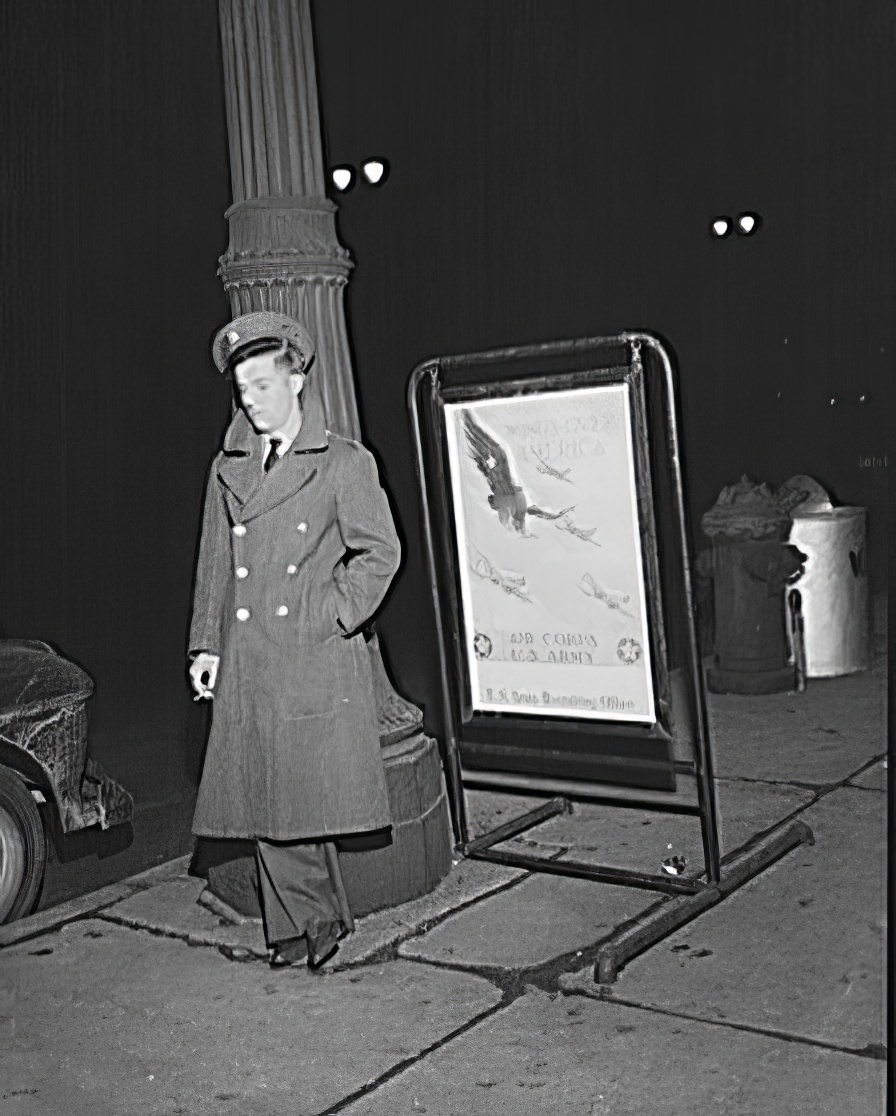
[[804, 494], [845, 511], [747, 510], [35, 679]]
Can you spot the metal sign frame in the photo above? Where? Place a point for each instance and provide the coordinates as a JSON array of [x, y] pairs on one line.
[[617, 762]]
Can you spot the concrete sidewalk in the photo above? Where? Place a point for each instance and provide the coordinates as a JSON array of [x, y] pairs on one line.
[[480, 998]]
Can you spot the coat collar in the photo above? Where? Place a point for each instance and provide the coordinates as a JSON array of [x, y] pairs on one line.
[[239, 466]]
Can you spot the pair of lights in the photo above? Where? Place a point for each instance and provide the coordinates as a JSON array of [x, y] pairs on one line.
[[746, 224], [373, 171]]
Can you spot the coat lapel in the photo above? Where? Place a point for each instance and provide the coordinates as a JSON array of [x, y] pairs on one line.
[[240, 468]]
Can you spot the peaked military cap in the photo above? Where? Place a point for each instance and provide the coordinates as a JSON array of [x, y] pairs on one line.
[[257, 326]]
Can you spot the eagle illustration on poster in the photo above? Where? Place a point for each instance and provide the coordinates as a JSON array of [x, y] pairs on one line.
[[507, 496]]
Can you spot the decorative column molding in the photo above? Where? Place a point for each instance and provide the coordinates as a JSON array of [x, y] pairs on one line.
[[284, 253]]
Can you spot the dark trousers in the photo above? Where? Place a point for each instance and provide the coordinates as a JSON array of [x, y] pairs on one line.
[[301, 890]]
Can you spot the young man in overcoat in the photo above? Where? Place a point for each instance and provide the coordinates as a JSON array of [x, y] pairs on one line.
[[298, 549]]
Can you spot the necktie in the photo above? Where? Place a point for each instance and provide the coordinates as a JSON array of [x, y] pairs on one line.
[[271, 460]]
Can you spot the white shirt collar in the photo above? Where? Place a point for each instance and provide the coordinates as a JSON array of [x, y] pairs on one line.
[[288, 432]]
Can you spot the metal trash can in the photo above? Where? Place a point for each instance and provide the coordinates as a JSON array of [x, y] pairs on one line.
[[834, 589], [749, 566]]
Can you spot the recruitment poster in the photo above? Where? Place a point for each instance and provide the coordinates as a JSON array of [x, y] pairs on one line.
[[549, 553]]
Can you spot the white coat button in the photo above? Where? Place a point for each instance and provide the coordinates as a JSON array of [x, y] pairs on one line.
[[282, 611], [292, 568], [239, 530], [242, 614], [241, 571], [303, 527]]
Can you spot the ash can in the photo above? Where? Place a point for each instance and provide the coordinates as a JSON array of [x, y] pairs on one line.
[[833, 589], [749, 567]]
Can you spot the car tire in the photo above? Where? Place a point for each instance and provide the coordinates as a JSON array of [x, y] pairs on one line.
[[23, 848]]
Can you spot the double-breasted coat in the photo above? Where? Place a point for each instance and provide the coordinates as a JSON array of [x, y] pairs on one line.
[[291, 565]]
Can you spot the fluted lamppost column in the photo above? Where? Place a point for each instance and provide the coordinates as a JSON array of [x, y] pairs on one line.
[[284, 254]]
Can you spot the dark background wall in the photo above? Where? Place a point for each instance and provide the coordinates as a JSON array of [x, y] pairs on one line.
[[114, 181], [554, 169]]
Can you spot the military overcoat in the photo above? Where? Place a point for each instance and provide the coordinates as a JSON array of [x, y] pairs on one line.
[[291, 565]]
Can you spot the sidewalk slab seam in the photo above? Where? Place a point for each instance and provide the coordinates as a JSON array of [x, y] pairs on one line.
[[313, 1039], [370, 1087], [45, 922], [540, 1056], [84, 906], [874, 1051], [392, 938], [817, 1006], [192, 939]]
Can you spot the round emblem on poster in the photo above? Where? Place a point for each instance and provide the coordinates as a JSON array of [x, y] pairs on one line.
[[482, 645], [629, 650]]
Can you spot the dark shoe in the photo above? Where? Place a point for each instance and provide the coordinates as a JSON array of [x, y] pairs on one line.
[[291, 952], [322, 948]]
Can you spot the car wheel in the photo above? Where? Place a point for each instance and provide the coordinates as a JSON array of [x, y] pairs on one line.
[[23, 848]]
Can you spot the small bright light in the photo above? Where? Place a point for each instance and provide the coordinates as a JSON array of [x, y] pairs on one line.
[[721, 226], [748, 223], [342, 177], [375, 171]]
